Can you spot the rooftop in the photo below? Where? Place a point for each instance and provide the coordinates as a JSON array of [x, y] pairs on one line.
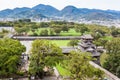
[[67, 49], [87, 36]]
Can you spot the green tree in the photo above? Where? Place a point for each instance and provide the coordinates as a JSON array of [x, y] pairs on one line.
[[100, 42], [97, 35], [24, 20], [80, 68], [113, 46], [73, 43], [44, 32], [65, 28], [5, 31], [115, 31], [52, 32], [112, 62], [21, 30], [43, 53], [81, 28], [44, 24], [57, 30], [10, 55]]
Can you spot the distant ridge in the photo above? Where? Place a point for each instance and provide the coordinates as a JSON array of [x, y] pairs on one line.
[[70, 12]]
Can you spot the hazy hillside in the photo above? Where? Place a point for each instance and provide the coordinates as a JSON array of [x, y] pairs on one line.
[[68, 13]]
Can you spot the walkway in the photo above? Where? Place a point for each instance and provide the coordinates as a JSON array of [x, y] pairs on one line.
[[50, 78], [107, 73], [46, 37]]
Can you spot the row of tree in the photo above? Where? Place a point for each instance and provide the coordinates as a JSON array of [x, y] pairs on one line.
[[23, 27]]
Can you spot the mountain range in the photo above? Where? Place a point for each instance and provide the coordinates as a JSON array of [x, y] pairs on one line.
[[68, 13]]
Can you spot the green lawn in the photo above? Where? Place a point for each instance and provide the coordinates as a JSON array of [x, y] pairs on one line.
[[38, 31], [60, 42], [107, 38], [71, 32], [30, 33], [62, 70]]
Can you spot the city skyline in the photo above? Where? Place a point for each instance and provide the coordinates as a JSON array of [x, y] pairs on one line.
[[91, 4]]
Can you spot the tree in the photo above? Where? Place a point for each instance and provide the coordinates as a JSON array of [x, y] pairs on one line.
[[24, 20], [65, 28], [97, 35], [44, 24], [73, 43], [51, 32], [115, 31], [81, 28], [57, 30], [113, 46], [21, 30], [44, 32], [43, 53], [112, 62], [5, 31], [100, 42], [10, 55], [78, 64]]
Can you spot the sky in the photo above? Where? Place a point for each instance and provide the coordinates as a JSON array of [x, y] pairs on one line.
[[60, 4]]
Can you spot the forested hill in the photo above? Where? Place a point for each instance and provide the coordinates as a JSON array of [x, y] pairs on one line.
[[68, 13]]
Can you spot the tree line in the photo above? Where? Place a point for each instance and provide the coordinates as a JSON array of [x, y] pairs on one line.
[[56, 27]]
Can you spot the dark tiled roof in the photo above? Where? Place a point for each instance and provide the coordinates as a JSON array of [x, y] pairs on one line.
[[87, 36], [86, 45], [94, 52], [67, 49]]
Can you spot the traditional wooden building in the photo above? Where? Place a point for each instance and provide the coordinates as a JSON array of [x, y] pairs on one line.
[[86, 45]]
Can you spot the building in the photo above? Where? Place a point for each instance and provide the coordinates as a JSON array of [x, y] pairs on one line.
[[86, 45]]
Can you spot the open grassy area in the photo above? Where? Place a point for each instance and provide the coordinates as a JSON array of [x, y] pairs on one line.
[[40, 29], [107, 38], [60, 42], [62, 70], [71, 32]]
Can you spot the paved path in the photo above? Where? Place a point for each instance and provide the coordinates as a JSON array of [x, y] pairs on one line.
[[107, 73], [50, 78]]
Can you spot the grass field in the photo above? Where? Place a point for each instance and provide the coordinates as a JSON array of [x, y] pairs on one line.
[[107, 38], [62, 70], [71, 32], [40, 29], [60, 42]]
